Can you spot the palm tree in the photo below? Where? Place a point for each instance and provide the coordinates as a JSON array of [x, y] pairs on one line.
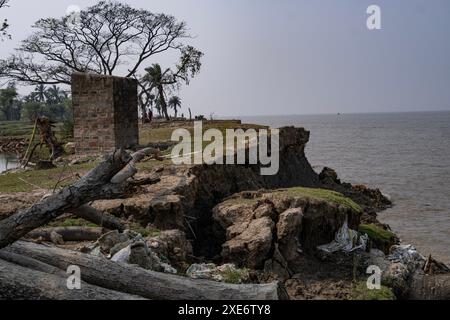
[[39, 93], [156, 79], [175, 103], [54, 95]]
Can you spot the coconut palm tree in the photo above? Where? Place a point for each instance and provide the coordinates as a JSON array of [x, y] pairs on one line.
[[55, 95], [39, 93], [175, 104], [157, 80]]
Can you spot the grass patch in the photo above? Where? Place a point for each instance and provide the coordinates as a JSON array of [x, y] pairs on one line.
[[72, 222], [300, 192], [375, 232], [322, 194], [361, 292], [16, 129], [23, 129], [152, 164], [155, 135], [144, 232], [234, 276], [42, 179], [46, 179]]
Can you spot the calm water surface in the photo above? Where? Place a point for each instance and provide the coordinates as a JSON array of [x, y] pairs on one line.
[[8, 161]]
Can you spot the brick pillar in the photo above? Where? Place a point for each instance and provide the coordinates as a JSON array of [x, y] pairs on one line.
[[105, 113]]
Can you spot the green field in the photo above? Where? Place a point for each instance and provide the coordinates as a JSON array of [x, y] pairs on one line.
[[16, 129], [21, 129]]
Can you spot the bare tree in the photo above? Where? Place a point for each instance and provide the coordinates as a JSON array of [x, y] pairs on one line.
[[98, 40], [4, 25]]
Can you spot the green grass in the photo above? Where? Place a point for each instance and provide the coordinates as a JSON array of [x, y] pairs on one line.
[[376, 233], [72, 222], [361, 292], [322, 194], [47, 179], [234, 276], [155, 135], [312, 193], [22, 129], [41, 179], [16, 129], [144, 232]]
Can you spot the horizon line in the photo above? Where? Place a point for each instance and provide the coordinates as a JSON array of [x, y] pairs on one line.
[[330, 114]]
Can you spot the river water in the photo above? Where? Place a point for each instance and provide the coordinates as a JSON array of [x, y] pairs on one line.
[[8, 161], [406, 155]]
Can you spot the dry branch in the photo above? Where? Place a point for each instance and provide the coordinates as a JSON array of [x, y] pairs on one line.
[[130, 170]]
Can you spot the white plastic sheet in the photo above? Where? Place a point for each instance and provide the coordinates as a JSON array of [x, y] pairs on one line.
[[347, 240]]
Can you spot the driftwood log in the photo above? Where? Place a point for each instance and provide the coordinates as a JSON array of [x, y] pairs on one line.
[[132, 280], [24, 283], [76, 234]]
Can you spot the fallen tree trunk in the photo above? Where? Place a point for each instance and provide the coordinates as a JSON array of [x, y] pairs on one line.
[[22, 283], [68, 233], [30, 263], [99, 218], [137, 281], [430, 287], [95, 185]]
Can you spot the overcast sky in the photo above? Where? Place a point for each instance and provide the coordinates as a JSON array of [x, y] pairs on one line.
[[265, 57]]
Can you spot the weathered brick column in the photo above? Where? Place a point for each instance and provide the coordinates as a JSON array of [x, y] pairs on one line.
[[105, 113]]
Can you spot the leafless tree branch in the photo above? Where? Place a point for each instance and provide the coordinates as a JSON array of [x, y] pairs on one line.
[[4, 25], [99, 40]]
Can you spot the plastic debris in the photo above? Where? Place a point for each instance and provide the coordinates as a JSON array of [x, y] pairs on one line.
[[346, 240], [136, 251], [204, 271], [408, 256], [123, 255]]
